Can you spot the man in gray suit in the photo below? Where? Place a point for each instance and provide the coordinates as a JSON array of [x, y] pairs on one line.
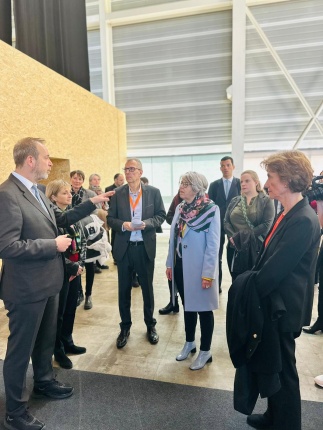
[[31, 278], [135, 212]]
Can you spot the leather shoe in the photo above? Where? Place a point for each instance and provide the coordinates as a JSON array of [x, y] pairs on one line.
[[62, 359], [170, 308], [152, 335], [103, 266], [88, 303], [260, 421], [80, 298], [188, 348], [97, 269], [53, 390], [73, 349], [26, 421], [122, 339], [201, 360], [312, 329]]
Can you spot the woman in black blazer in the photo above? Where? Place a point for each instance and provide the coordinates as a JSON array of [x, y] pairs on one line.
[[285, 272]]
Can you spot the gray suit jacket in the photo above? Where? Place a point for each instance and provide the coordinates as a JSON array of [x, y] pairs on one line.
[[153, 215], [32, 269]]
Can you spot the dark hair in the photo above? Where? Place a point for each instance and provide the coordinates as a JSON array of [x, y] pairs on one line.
[[227, 158], [144, 180], [78, 173], [116, 176]]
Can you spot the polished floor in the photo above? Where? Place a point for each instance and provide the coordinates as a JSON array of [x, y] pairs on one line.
[[98, 328]]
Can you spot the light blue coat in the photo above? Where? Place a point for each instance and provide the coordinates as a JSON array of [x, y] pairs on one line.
[[200, 253]]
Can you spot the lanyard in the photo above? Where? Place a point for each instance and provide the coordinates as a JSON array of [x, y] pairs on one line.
[[134, 204], [274, 228]]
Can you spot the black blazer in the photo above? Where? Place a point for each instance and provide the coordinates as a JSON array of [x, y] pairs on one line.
[[153, 215], [288, 263], [217, 194]]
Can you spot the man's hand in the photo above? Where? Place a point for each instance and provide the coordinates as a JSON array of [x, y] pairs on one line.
[[62, 242], [169, 273], [104, 197], [128, 226]]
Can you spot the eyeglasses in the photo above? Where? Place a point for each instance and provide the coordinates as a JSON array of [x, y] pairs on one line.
[[130, 169], [184, 184]]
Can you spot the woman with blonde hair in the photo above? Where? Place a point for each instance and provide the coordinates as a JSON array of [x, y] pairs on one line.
[[59, 193], [247, 221]]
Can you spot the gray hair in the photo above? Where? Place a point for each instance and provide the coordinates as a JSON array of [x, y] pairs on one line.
[[139, 164], [25, 147], [197, 181]]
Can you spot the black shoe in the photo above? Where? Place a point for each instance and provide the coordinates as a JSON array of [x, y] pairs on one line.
[[26, 421], [102, 266], [135, 282], [97, 269], [260, 421], [53, 390], [170, 308], [62, 359], [88, 303], [220, 289], [122, 339], [80, 298], [152, 335], [73, 349], [312, 329]]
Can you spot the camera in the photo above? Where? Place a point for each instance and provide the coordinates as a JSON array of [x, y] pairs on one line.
[[316, 190]]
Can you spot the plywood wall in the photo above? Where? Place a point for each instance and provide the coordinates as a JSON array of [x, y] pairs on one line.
[[77, 126]]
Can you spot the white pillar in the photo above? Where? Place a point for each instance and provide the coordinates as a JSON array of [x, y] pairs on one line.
[[238, 82]]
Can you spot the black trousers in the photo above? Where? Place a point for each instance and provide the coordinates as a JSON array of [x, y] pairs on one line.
[[284, 407], [32, 329], [190, 318], [89, 278], [136, 259], [66, 313]]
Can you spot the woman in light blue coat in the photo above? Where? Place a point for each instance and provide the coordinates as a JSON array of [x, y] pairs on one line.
[[192, 263]]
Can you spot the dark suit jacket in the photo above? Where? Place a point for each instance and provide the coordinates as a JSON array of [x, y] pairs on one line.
[[287, 265], [110, 188], [217, 194], [32, 269], [153, 215]]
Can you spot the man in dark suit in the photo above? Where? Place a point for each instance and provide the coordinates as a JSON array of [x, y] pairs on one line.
[[31, 278], [135, 212], [118, 182], [222, 192]]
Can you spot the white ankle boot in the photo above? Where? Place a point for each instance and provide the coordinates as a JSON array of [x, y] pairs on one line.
[[188, 347], [201, 360]]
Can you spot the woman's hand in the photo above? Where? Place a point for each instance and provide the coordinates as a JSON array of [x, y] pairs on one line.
[[206, 283], [169, 273]]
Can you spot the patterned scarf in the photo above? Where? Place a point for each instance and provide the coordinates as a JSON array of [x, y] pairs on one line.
[[77, 198], [197, 215]]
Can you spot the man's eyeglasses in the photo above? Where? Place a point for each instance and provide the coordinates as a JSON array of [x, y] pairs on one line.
[[130, 169], [184, 184]]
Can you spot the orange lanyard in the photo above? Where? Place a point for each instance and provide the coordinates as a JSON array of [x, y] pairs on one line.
[[134, 204], [274, 229]]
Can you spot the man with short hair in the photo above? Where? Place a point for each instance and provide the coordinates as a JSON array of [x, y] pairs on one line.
[[222, 192], [136, 210], [118, 182], [31, 278]]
